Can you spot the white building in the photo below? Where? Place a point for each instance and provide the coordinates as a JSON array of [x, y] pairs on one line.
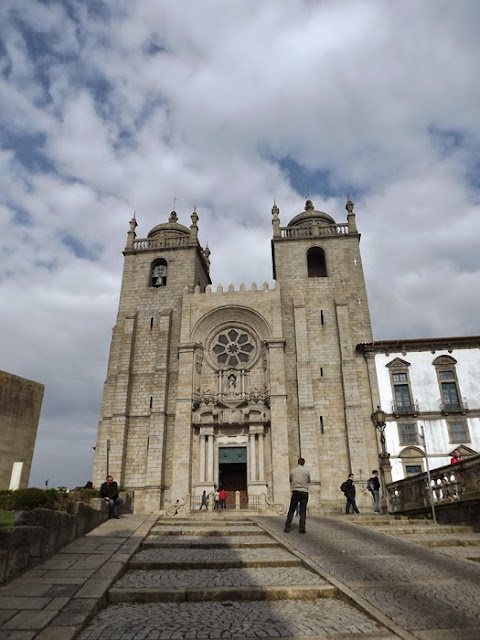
[[434, 383]]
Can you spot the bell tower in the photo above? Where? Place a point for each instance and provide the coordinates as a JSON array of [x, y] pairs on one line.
[[317, 264], [142, 375]]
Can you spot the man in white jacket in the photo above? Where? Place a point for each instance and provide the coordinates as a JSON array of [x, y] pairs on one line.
[[299, 482]]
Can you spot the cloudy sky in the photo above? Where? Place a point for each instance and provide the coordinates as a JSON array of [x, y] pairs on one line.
[[110, 107]]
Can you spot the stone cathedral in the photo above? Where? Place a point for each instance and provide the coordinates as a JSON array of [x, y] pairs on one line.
[[226, 389]]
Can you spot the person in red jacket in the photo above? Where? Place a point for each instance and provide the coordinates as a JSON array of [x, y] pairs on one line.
[[456, 457], [222, 499]]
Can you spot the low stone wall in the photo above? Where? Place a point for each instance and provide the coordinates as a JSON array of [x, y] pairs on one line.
[[38, 533]]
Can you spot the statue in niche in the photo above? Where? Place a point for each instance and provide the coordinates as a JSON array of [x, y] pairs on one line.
[[232, 382]]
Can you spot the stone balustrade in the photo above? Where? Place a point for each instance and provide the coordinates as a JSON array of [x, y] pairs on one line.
[[161, 242], [455, 488], [315, 230]]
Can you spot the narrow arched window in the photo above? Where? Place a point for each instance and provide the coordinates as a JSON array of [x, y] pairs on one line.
[[158, 273], [316, 262]]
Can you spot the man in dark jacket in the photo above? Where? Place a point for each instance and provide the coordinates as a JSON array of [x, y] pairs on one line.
[[109, 492], [348, 488], [373, 486]]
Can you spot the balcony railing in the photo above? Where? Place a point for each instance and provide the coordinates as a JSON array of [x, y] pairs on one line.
[[161, 242], [449, 406], [405, 409], [450, 484], [340, 229]]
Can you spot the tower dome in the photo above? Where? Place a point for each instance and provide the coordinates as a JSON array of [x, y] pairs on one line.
[[309, 215], [170, 228]]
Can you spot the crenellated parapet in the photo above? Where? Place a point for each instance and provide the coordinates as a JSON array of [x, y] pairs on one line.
[[231, 288]]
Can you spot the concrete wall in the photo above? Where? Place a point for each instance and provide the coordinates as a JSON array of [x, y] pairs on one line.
[[20, 404]]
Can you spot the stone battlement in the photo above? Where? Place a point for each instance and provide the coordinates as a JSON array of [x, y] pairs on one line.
[[231, 288]]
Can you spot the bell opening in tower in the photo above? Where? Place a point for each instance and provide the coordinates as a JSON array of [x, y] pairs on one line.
[[232, 474]]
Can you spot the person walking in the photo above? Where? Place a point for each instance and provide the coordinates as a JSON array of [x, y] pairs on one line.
[[204, 502], [348, 488], [109, 492], [373, 485], [299, 483]]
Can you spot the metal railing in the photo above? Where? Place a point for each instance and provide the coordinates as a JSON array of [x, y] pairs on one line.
[[405, 409], [456, 406]]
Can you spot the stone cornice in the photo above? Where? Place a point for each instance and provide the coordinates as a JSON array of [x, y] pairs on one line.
[[420, 344]]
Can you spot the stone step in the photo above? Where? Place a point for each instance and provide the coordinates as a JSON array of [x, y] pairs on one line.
[[215, 620], [248, 577], [207, 519], [211, 594], [204, 531], [467, 552], [446, 540], [201, 558], [228, 514], [389, 522], [209, 542], [417, 530]]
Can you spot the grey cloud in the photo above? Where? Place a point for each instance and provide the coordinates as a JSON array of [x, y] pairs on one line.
[[151, 103]]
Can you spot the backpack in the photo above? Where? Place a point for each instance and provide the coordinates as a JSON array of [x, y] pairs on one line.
[[343, 486], [370, 485]]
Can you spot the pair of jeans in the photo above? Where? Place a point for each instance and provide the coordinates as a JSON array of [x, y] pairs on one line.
[[376, 500], [351, 503], [298, 498], [116, 507]]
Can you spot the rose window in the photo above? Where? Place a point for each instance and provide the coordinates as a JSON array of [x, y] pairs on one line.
[[233, 348]]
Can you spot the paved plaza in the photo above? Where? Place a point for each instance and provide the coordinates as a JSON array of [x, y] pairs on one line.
[[203, 577]]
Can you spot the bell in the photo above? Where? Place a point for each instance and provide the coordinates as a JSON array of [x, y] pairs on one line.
[[159, 282]]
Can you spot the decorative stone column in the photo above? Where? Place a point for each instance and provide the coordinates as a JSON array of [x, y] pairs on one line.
[[209, 456], [261, 457], [202, 458], [253, 457]]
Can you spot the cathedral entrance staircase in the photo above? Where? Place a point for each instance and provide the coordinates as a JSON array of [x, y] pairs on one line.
[[219, 576], [224, 577]]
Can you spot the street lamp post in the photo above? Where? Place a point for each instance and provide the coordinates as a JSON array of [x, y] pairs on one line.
[[379, 420], [429, 479]]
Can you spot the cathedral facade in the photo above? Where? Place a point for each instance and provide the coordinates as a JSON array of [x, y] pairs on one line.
[[227, 388]]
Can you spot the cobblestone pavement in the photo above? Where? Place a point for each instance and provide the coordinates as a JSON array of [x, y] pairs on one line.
[[204, 557], [173, 597], [181, 579], [53, 600], [188, 541], [421, 590], [192, 620], [388, 587], [203, 530]]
